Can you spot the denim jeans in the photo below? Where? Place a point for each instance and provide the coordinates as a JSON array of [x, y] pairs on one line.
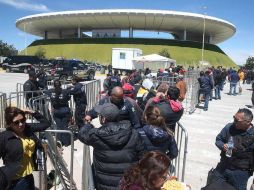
[[237, 178], [217, 92], [23, 183], [232, 87], [207, 97]]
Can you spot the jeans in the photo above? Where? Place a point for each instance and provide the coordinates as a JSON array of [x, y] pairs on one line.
[[207, 97], [237, 178], [24, 183], [62, 124], [217, 92], [222, 84], [232, 87]]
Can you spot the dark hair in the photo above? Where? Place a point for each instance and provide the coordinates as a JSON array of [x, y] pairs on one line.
[[150, 168], [58, 88], [247, 113], [173, 93], [152, 116], [10, 113], [201, 73]]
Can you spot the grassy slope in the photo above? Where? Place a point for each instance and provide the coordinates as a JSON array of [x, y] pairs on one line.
[[187, 54]]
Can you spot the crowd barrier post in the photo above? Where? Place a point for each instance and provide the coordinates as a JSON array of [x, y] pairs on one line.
[[181, 137], [3, 105]]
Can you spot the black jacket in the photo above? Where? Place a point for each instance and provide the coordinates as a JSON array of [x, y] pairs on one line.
[[11, 148], [79, 94], [169, 115], [116, 147], [156, 138], [59, 100], [127, 112]]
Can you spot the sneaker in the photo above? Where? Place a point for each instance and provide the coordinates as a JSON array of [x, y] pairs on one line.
[[205, 109]]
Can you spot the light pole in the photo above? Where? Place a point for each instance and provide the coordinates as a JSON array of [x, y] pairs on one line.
[[203, 41]]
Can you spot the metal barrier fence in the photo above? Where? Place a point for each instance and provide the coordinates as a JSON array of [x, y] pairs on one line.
[[190, 78], [3, 105], [181, 137], [65, 175]]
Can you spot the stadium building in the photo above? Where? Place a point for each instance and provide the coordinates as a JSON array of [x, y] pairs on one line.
[[101, 30]]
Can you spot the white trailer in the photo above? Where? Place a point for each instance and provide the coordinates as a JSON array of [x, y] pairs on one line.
[[122, 58]]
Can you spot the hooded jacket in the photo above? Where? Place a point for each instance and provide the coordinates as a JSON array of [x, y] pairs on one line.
[[116, 147], [156, 138], [167, 111]]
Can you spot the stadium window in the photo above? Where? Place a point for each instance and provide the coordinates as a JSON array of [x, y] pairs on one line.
[[122, 55]]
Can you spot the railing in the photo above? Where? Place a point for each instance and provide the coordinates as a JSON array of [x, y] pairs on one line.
[[190, 78], [181, 137], [3, 104]]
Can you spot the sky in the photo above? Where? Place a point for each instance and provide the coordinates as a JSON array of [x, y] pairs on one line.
[[240, 13]]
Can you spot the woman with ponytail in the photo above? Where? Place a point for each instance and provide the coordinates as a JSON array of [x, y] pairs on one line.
[[149, 173], [156, 135]]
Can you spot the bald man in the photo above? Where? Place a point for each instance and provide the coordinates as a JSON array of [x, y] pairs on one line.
[[127, 110]]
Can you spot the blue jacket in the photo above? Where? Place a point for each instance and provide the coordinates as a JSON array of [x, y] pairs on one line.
[[206, 84], [156, 138], [233, 77]]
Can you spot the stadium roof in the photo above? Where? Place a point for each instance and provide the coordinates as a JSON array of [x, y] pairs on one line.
[[179, 24]]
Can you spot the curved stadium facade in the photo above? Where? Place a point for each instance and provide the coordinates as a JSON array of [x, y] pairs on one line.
[[106, 26]]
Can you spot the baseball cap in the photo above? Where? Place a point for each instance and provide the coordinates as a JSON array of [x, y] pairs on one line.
[[108, 110]]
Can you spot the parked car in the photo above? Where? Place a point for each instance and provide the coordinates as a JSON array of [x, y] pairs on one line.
[[66, 69], [20, 63]]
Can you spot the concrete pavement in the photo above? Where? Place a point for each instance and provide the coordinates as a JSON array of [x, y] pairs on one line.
[[203, 128]]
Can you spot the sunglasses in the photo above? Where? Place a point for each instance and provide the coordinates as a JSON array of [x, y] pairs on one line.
[[22, 121]]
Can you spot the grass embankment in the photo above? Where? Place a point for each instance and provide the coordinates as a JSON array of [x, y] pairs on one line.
[[100, 50]]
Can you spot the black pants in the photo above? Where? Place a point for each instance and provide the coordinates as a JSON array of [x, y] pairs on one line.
[[80, 113], [24, 183], [62, 118]]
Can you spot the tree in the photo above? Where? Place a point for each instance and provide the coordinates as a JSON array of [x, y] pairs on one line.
[[40, 53], [7, 50], [250, 63], [164, 52]]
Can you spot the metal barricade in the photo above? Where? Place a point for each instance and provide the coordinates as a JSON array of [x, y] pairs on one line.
[[65, 175], [3, 105], [181, 137]]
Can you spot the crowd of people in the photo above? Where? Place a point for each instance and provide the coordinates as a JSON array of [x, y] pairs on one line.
[[212, 82], [135, 144]]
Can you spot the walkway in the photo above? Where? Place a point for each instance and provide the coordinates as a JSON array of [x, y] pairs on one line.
[[203, 128]]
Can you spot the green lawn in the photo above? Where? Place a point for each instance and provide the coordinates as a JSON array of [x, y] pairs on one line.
[[100, 50]]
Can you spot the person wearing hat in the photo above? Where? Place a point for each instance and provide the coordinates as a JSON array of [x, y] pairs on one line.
[[128, 91], [31, 85], [116, 146], [127, 110]]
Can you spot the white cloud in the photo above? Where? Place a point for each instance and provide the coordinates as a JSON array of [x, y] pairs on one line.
[[25, 5]]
